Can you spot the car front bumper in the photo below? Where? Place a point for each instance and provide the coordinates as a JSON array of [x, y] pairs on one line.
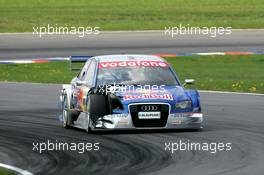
[[174, 121]]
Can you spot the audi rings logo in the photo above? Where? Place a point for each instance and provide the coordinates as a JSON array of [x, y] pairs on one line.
[[149, 108]]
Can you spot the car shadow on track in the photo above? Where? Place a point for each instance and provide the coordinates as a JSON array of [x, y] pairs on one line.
[[144, 131], [141, 131]]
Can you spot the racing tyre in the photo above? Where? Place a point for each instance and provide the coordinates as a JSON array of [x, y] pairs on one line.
[[65, 112], [68, 115], [97, 107]]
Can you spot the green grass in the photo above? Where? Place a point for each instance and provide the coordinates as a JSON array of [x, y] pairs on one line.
[[223, 73], [5, 172], [22, 15], [53, 72]]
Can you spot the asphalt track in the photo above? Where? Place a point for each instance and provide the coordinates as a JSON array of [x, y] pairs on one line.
[[21, 46], [29, 113]]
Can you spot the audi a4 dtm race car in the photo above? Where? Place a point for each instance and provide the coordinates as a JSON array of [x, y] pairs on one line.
[[129, 92]]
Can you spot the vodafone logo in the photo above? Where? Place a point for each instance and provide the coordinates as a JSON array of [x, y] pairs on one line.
[[133, 64], [149, 96]]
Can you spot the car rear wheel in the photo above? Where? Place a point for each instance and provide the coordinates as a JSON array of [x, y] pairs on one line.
[[68, 115], [65, 112]]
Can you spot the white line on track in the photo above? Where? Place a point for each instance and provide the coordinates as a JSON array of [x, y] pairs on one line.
[[18, 170], [224, 92], [139, 31]]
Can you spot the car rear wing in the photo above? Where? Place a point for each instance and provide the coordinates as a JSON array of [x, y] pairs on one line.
[[74, 60]]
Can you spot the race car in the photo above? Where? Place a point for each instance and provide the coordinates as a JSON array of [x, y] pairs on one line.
[[125, 92]]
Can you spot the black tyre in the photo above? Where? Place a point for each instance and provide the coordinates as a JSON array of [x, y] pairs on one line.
[[97, 106], [65, 112], [68, 115]]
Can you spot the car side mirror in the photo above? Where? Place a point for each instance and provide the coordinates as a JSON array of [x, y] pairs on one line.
[[188, 81], [80, 83]]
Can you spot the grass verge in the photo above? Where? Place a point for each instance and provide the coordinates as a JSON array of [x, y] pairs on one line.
[[21, 16], [4, 171], [221, 73]]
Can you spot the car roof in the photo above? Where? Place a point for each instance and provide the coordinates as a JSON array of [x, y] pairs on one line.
[[112, 58]]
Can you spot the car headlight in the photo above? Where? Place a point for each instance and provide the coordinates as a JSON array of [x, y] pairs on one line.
[[184, 104]]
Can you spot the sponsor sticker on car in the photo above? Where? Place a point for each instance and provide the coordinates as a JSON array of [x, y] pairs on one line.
[[149, 96], [149, 115], [114, 64]]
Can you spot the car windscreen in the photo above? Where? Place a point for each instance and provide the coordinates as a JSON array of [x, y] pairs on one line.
[[136, 76]]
